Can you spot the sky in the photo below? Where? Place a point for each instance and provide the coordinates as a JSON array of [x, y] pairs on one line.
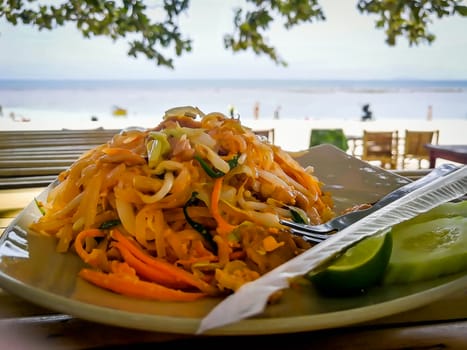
[[345, 46]]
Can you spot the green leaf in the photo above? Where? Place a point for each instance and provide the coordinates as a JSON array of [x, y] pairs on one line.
[[462, 10]]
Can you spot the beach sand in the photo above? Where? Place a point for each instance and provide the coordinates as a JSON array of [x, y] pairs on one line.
[[294, 134], [289, 134]]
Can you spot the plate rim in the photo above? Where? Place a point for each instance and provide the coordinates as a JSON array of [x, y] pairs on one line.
[[186, 325], [252, 326]]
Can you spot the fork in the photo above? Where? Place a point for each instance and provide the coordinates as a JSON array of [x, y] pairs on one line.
[[318, 233]]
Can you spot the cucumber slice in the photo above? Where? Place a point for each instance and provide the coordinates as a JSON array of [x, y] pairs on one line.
[[427, 250], [445, 210]]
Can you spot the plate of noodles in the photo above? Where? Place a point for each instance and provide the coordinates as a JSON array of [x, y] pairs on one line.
[[154, 228]]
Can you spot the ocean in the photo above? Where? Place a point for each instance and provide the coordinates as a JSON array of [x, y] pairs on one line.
[[53, 103]]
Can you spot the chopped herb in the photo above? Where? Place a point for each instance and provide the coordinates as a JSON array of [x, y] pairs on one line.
[[214, 173], [157, 147], [196, 225], [296, 217], [234, 161], [108, 224], [39, 206]]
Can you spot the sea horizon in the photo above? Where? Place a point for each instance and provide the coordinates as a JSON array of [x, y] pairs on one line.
[[53, 101], [6, 83]]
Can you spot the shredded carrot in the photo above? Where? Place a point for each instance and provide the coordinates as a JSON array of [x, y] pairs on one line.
[[132, 287], [171, 272], [147, 271], [223, 227]]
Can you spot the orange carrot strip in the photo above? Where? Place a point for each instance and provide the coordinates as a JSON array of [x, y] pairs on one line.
[[178, 274], [88, 258], [223, 227], [148, 272], [136, 288]]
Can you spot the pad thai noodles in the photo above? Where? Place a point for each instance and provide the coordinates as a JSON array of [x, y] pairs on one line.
[[185, 210]]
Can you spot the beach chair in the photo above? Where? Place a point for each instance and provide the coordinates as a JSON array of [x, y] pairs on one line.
[[414, 146], [334, 137], [381, 146]]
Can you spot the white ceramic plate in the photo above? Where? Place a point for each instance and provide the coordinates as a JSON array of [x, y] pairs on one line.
[[30, 268]]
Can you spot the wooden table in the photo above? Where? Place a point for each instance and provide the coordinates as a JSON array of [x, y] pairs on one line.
[[24, 325], [454, 153]]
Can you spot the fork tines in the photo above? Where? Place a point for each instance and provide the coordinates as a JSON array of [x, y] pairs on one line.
[[301, 230]]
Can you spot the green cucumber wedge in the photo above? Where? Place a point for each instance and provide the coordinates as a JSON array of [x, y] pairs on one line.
[[431, 245], [445, 210]]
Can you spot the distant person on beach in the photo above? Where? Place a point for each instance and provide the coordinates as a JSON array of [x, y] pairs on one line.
[[256, 110], [429, 115], [367, 114], [231, 111], [20, 119], [1, 111], [277, 112]]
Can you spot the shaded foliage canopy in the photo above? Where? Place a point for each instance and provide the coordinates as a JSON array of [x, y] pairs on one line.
[[161, 39]]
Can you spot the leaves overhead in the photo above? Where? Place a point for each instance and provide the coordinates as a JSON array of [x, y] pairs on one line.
[[162, 40], [410, 18], [250, 26], [113, 19]]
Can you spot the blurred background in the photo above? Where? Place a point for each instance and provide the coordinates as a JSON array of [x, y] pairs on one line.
[[322, 70]]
